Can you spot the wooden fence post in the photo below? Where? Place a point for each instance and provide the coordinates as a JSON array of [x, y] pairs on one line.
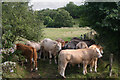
[[110, 68]]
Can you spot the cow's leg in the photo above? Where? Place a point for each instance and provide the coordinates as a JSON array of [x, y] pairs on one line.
[[44, 54], [91, 65], [84, 67], [96, 65], [62, 69], [39, 56], [31, 64], [35, 64], [50, 56], [55, 59], [78, 65]]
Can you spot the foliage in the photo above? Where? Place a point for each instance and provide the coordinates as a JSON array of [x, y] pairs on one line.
[[18, 19], [10, 55], [72, 9], [56, 18], [103, 18], [48, 21]]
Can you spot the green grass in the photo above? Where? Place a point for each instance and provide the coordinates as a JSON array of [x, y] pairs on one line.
[[50, 70], [46, 70], [64, 33]]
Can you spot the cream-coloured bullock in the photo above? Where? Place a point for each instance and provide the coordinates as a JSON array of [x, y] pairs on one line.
[[84, 56], [52, 47], [94, 61]]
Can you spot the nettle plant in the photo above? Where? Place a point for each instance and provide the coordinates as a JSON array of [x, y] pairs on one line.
[[10, 58], [9, 54]]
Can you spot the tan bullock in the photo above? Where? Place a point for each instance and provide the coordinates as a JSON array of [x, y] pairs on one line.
[[84, 56]]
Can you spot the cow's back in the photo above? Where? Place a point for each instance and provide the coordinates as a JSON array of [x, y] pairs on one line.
[[48, 44], [76, 56], [26, 50]]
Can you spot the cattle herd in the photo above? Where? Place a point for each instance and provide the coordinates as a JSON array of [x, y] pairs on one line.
[[76, 51]]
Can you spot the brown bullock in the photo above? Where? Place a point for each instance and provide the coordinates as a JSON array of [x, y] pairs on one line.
[[29, 53]]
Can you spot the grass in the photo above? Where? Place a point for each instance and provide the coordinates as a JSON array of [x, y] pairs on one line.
[[50, 70], [64, 33], [46, 70]]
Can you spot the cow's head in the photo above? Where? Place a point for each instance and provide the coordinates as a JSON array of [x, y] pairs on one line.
[[58, 46], [99, 50]]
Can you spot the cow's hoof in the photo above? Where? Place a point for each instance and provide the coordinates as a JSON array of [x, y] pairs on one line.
[[84, 73], [91, 71], [36, 69], [63, 77], [31, 70], [95, 71], [50, 62]]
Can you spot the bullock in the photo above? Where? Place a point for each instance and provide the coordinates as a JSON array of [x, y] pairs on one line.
[[29, 53], [94, 62], [81, 45], [52, 47], [84, 56], [61, 41], [35, 45], [72, 44]]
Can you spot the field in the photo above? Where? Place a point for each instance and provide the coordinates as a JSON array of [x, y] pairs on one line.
[[64, 33], [46, 70]]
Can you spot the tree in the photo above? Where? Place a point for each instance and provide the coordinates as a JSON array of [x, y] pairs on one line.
[[72, 9], [56, 18], [104, 18], [63, 19], [20, 20]]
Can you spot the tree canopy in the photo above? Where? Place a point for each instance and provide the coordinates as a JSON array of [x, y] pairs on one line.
[[18, 19], [104, 18], [56, 18]]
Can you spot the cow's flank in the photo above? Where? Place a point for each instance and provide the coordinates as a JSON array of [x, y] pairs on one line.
[[29, 53]]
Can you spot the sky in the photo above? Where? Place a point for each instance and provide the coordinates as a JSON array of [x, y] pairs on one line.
[[52, 4]]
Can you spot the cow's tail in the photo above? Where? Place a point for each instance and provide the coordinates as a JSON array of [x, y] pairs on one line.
[[35, 57], [34, 53]]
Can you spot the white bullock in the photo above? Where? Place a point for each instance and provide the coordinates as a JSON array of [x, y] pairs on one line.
[[52, 47]]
